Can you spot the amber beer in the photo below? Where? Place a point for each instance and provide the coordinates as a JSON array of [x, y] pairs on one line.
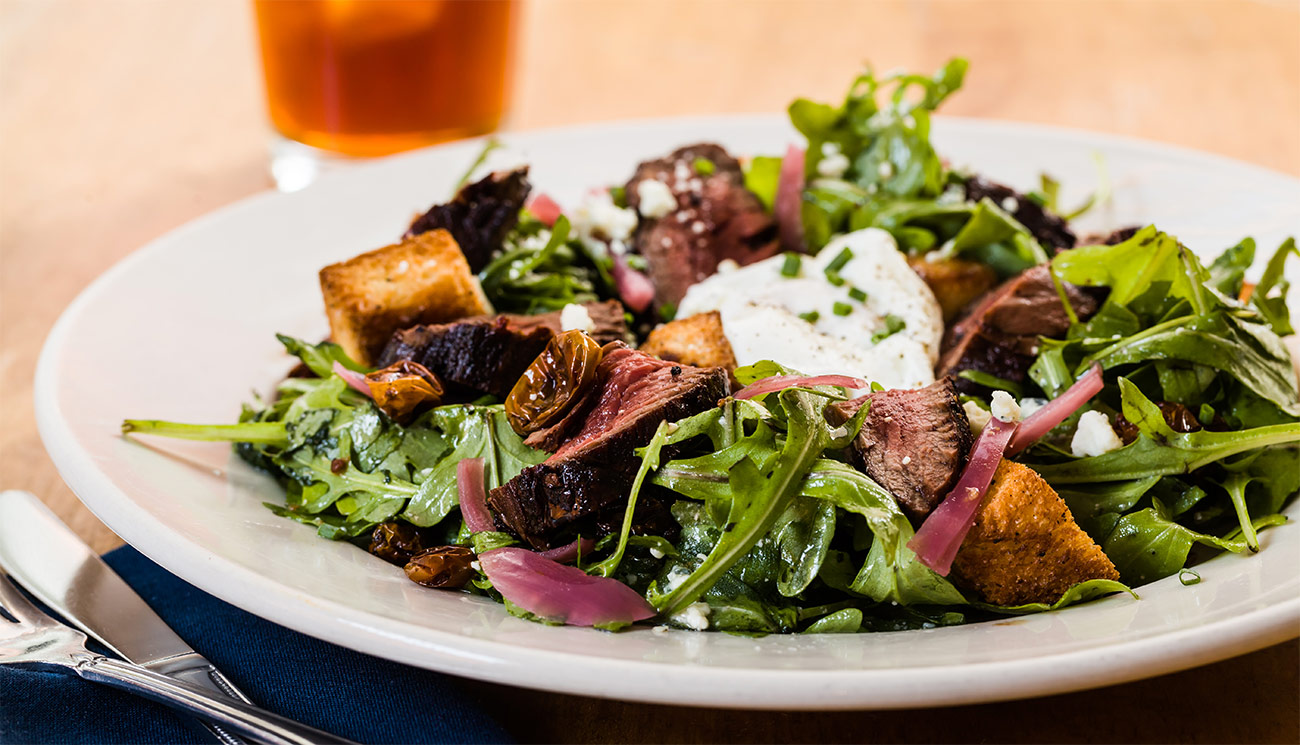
[[374, 77]]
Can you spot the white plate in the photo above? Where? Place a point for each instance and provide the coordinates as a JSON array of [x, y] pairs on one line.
[[184, 329]]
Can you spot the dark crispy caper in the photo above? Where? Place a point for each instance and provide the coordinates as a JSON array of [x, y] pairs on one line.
[[442, 566], [395, 542], [402, 387], [554, 382]]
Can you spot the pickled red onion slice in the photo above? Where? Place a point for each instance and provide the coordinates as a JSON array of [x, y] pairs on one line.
[[561, 593], [634, 288], [1057, 410], [354, 379], [779, 382], [787, 205], [942, 533], [473, 495]]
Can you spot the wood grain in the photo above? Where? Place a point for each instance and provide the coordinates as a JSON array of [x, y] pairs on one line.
[[122, 119]]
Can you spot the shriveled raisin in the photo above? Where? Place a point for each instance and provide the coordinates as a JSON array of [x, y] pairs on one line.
[[395, 542], [442, 566]]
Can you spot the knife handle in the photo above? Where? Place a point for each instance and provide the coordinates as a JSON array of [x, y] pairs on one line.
[[246, 720]]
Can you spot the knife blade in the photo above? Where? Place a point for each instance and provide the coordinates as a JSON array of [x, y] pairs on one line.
[[44, 556]]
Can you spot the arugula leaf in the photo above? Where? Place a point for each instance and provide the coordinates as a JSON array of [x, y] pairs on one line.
[[893, 573], [1269, 296], [845, 621], [1228, 271], [1165, 308], [320, 358], [743, 598], [261, 433], [491, 144], [758, 497], [1221, 340], [803, 536], [1079, 593], [896, 181], [1235, 484], [1131, 267], [472, 432], [761, 177], [543, 270], [1147, 545]]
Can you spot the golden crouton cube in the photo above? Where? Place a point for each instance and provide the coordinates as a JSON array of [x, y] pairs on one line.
[[1025, 546], [696, 340], [423, 279], [954, 282]]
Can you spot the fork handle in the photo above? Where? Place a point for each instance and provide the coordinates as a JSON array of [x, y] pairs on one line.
[[243, 719]]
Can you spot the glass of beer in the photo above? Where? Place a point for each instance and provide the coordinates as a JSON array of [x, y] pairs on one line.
[[364, 78]]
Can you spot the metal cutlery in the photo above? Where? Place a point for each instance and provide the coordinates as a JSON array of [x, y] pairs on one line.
[[49, 561], [31, 638]]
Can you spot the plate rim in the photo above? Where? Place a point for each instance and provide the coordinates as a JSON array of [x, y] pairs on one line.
[[881, 688]]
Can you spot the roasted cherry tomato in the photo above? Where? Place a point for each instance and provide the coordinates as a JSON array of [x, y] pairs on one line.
[[554, 382], [400, 388]]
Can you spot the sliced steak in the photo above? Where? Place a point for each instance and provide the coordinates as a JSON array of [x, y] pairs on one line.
[[593, 470], [608, 320], [1050, 229], [487, 354], [480, 215], [716, 218], [1000, 335], [914, 442]]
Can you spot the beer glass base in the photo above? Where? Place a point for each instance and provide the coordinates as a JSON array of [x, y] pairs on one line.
[[295, 166]]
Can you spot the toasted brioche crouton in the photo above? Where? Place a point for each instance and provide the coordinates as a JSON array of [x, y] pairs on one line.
[[1025, 546], [696, 340], [955, 282], [423, 279]]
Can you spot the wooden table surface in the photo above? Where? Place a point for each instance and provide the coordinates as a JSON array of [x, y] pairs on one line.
[[120, 120]]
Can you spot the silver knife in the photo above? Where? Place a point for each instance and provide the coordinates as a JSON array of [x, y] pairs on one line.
[[44, 556]]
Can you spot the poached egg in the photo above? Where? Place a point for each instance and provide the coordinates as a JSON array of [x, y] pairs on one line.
[[856, 308]]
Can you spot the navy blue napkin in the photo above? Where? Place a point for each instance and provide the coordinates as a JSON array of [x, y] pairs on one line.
[[331, 688]]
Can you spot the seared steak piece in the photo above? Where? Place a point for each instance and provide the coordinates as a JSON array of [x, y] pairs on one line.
[[480, 215], [652, 515], [914, 442], [593, 470], [1000, 335], [608, 320], [1050, 229], [488, 353], [716, 218]]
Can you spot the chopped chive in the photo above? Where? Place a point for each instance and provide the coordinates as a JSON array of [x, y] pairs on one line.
[[834, 278], [811, 316], [668, 312], [859, 295], [791, 266], [839, 261], [842, 309], [618, 195], [704, 166], [893, 324]]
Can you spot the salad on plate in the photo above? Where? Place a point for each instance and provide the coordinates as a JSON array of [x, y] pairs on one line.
[[849, 387]]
